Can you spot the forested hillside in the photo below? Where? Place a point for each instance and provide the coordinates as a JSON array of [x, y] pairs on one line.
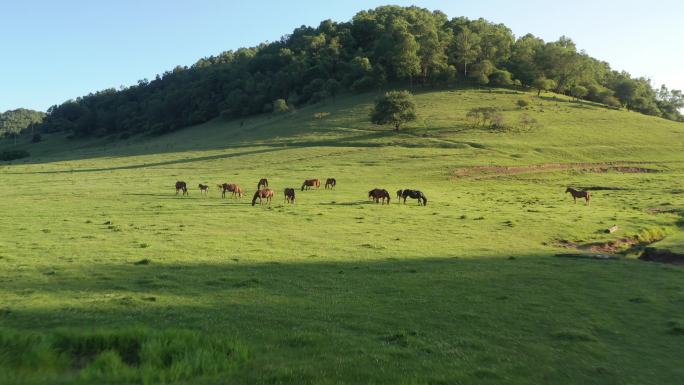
[[13, 122], [386, 45]]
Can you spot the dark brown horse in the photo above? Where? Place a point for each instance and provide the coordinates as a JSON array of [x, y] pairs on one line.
[[231, 188], [204, 188], [378, 194], [181, 187], [289, 195], [330, 182], [262, 194], [579, 194], [263, 182], [414, 194], [399, 195], [311, 183]]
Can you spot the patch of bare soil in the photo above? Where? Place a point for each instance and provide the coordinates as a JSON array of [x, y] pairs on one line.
[[492, 171], [653, 254], [611, 247]]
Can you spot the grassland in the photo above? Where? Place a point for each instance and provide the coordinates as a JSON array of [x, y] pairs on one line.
[[103, 270]]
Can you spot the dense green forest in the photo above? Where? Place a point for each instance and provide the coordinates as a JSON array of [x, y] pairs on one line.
[[389, 44], [13, 122]]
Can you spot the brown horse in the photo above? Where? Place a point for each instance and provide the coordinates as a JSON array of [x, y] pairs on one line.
[[579, 194], [263, 182], [262, 194], [289, 195], [378, 194], [399, 193], [231, 188], [181, 186], [204, 188], [311, 183], [331, 182]]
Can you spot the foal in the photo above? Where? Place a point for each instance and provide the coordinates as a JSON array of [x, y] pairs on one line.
[[289, 195]]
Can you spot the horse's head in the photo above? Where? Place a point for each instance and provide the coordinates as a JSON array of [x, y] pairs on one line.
[[568, 190]]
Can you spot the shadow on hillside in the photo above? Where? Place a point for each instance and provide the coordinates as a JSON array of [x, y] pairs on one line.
[[267, 295], [360, 141]]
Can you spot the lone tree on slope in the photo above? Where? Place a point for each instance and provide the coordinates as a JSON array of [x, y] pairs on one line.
[[394, 108]]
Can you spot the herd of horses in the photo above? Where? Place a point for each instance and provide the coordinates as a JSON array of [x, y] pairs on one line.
[[265, 194]]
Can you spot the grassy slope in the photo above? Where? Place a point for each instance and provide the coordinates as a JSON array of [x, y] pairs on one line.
[[338, 290]]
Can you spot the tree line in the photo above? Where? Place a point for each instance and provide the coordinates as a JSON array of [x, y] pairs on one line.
[[389, 44]]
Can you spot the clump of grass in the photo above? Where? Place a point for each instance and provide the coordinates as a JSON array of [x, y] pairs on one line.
[[144, 261], [675, 327], [252, 282], [650, 235], [123, 356], [573, 335]]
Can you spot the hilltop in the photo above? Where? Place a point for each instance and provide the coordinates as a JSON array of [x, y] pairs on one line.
[[387, 45]]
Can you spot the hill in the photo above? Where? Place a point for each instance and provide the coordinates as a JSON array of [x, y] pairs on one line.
[[386, 45], [108, 275]]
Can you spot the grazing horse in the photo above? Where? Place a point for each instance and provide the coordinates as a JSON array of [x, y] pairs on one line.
[[262, 194], [330, 182], [579, 194], [231, 188], [311, 183], [399, 194], [415, 194], [204, 188], [263, 182], [289, 195], [377, 194], [182, 186]]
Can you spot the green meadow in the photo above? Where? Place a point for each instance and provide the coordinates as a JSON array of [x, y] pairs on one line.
[[108, 276]]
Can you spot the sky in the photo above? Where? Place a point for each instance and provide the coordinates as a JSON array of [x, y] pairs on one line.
[[52, 51]]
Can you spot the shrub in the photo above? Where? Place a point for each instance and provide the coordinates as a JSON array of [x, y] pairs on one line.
[[522, 103], [501, 78], [36, 138], [13, 154], [611, 101]]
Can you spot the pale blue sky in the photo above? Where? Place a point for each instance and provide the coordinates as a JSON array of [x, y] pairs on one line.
[[51, 51]]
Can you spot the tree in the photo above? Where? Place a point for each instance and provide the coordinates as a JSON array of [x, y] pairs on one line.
[[466, 48], [280, 106], [578, 92], [481, 71], [394, 108], [543, 84], [501, 78]]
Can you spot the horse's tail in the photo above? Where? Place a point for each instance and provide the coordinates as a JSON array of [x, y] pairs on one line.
[[256, 195], [318, 183]]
